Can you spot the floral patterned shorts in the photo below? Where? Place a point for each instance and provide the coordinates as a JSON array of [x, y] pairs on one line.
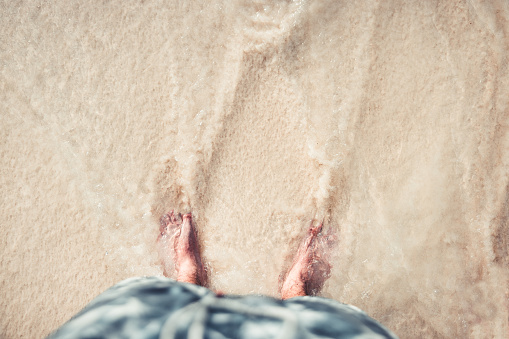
[[156, 307]]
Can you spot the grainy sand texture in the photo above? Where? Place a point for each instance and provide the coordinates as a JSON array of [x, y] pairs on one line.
[[387, 119]]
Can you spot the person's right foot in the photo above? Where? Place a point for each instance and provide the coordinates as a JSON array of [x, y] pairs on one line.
[[310, 268]]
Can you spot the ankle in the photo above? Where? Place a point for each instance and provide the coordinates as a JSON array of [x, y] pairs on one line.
[[297, 290]]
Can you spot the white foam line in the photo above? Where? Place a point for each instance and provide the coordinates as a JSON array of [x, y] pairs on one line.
[[343, 117]]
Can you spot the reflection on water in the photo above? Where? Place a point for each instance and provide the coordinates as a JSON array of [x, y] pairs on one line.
[[386, 120]]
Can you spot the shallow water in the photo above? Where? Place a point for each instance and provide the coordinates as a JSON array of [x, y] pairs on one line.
[[388, 120]]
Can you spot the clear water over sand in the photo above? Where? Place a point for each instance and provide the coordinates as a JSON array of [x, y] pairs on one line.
[[388, 119]]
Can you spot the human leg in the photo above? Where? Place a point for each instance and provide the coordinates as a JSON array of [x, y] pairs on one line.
[[178, 239], [310, 267]]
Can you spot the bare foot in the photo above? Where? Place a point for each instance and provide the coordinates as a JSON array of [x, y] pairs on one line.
[[178, 240], [310, 268]]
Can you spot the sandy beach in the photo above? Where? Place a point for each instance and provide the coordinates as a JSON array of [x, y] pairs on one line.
[[388, 120]]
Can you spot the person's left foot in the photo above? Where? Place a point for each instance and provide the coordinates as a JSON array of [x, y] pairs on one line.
[[178, 236]]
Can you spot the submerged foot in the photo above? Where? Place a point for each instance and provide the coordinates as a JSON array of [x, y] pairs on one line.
[[310, 267], [178, 239]]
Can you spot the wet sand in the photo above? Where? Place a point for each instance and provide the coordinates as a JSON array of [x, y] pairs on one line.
[[389, 120]]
